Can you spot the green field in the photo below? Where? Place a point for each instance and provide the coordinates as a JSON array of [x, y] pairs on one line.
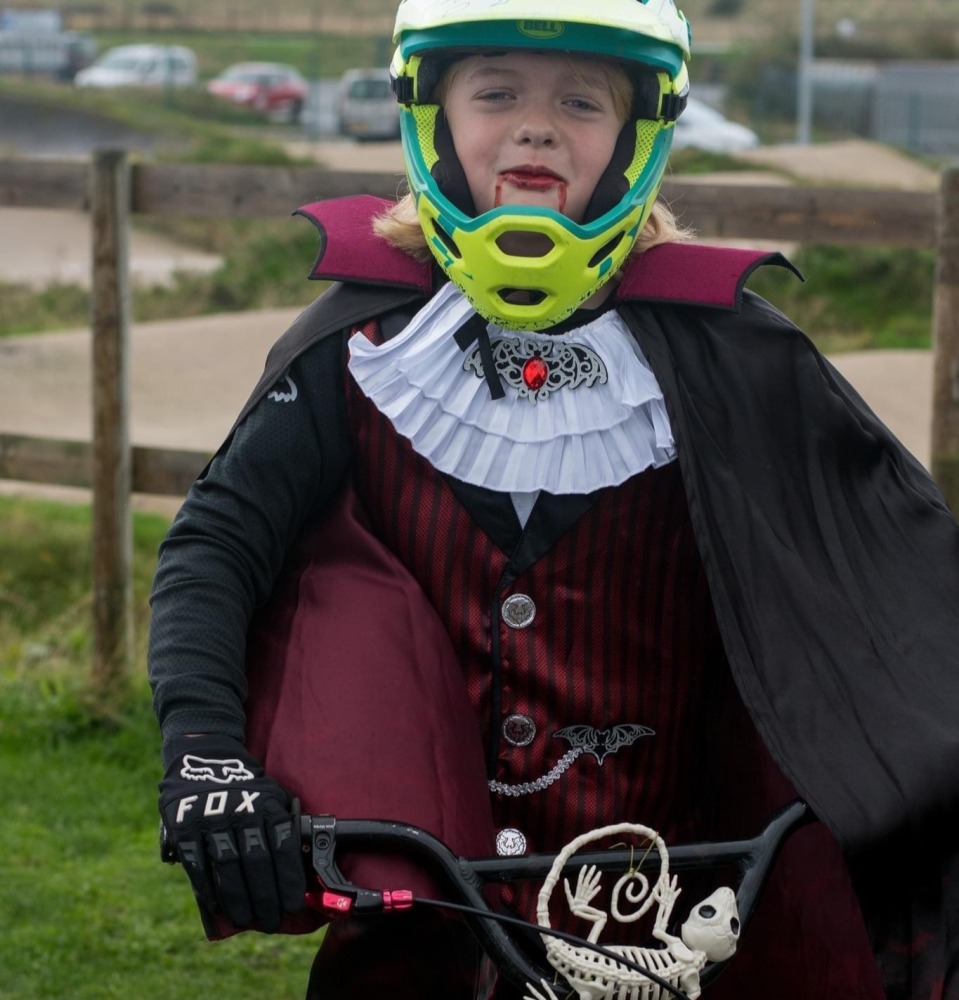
[[88, 911]]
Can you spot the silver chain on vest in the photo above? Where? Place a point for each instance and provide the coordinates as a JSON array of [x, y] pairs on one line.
[[528, 787]]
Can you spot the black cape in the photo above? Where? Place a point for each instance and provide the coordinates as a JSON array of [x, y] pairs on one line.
[[833, 563]]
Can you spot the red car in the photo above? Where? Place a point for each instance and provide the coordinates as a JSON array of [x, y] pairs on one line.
[[272, 89]]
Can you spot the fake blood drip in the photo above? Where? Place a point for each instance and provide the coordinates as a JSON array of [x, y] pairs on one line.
[[532, 182]]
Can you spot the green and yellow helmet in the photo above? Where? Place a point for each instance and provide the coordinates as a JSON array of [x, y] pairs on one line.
[[648, 38]]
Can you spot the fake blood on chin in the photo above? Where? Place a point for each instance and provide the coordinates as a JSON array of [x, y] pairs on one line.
[[532, 181]]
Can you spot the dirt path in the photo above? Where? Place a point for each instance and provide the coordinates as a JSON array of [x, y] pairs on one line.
[[44, 246], [189, 379], [853, 162]]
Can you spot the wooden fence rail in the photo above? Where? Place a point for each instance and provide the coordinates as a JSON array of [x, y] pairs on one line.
[[837, 215], [111, 190], [61, 462]]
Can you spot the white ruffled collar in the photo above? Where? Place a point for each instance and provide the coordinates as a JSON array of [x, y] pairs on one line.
[[570, 440]]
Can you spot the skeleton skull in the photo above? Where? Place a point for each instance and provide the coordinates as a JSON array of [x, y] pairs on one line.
[[713, 926]]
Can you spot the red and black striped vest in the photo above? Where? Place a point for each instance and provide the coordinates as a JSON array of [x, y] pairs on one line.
[[623, 635]]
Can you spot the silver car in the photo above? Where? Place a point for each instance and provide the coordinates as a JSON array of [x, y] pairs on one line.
[[368, 109]]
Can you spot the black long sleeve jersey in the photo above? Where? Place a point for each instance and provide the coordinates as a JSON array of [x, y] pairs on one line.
[[225, 548]]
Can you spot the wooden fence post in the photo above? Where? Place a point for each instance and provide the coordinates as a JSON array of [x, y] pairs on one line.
[[945, 389], [112, 465]]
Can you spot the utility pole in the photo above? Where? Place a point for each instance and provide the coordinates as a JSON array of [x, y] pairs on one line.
[[807, 27]]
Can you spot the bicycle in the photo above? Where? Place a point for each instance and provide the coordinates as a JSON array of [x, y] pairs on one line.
[[464, 880]]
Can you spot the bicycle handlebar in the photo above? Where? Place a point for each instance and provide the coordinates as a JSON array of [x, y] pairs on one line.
[[464, 878]]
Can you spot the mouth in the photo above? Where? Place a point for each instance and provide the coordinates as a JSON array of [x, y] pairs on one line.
[[532, 178]]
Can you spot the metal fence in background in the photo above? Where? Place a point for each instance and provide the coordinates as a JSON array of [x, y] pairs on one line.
[[910, 105]]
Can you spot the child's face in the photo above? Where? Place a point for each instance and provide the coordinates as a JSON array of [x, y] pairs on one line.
[[529, 131]]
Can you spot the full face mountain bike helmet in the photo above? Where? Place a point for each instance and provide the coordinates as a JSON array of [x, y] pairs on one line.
[[649, 39]]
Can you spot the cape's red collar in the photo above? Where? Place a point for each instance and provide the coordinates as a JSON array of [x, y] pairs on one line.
[[683, 273]]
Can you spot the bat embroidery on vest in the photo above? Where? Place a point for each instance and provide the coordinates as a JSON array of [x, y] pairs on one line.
[[602, 742], [582, 739]]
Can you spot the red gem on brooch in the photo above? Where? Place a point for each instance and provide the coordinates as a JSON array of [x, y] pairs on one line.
[[535, 373]]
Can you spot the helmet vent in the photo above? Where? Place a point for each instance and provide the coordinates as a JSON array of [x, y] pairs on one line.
[[534, 244], [522, 296], [606, 249], [446, 240], [646, 134]]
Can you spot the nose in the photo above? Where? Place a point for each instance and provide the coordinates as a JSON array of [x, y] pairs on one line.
[[537, 129]]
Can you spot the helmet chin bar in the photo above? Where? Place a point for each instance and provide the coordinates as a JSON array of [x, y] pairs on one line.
[[540, 285], [528, 268]]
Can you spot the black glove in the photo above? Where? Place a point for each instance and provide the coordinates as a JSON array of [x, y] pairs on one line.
[[233, 830]]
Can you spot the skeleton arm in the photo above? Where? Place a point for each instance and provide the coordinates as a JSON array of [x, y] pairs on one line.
[[587, 885], [666, 893]]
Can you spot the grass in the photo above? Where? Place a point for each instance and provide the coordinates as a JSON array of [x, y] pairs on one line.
[[856, 298], [242, 11], [56, 307], [88, 911], [265, 261]]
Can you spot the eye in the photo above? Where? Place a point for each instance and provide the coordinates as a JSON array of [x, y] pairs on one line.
[[707, 911], [734, 925]]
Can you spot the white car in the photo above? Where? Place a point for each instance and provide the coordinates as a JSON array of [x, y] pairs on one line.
[[141, 66], [703, 127]]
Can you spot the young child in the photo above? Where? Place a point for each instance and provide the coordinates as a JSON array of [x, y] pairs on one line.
[[539, 521]]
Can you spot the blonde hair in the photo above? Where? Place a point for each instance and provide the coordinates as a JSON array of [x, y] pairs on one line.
[[400, 226]]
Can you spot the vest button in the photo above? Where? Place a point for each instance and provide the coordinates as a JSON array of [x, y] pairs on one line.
[[510, 843], [519, 730], [519, 611]]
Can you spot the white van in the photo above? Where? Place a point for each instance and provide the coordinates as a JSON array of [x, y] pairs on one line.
[[368, 109], [141, 66], [59, 54]]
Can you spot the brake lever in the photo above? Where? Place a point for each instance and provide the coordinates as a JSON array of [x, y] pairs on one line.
[[338, 896]]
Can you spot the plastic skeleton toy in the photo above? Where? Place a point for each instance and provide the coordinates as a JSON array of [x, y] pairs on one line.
[[709, 934]]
